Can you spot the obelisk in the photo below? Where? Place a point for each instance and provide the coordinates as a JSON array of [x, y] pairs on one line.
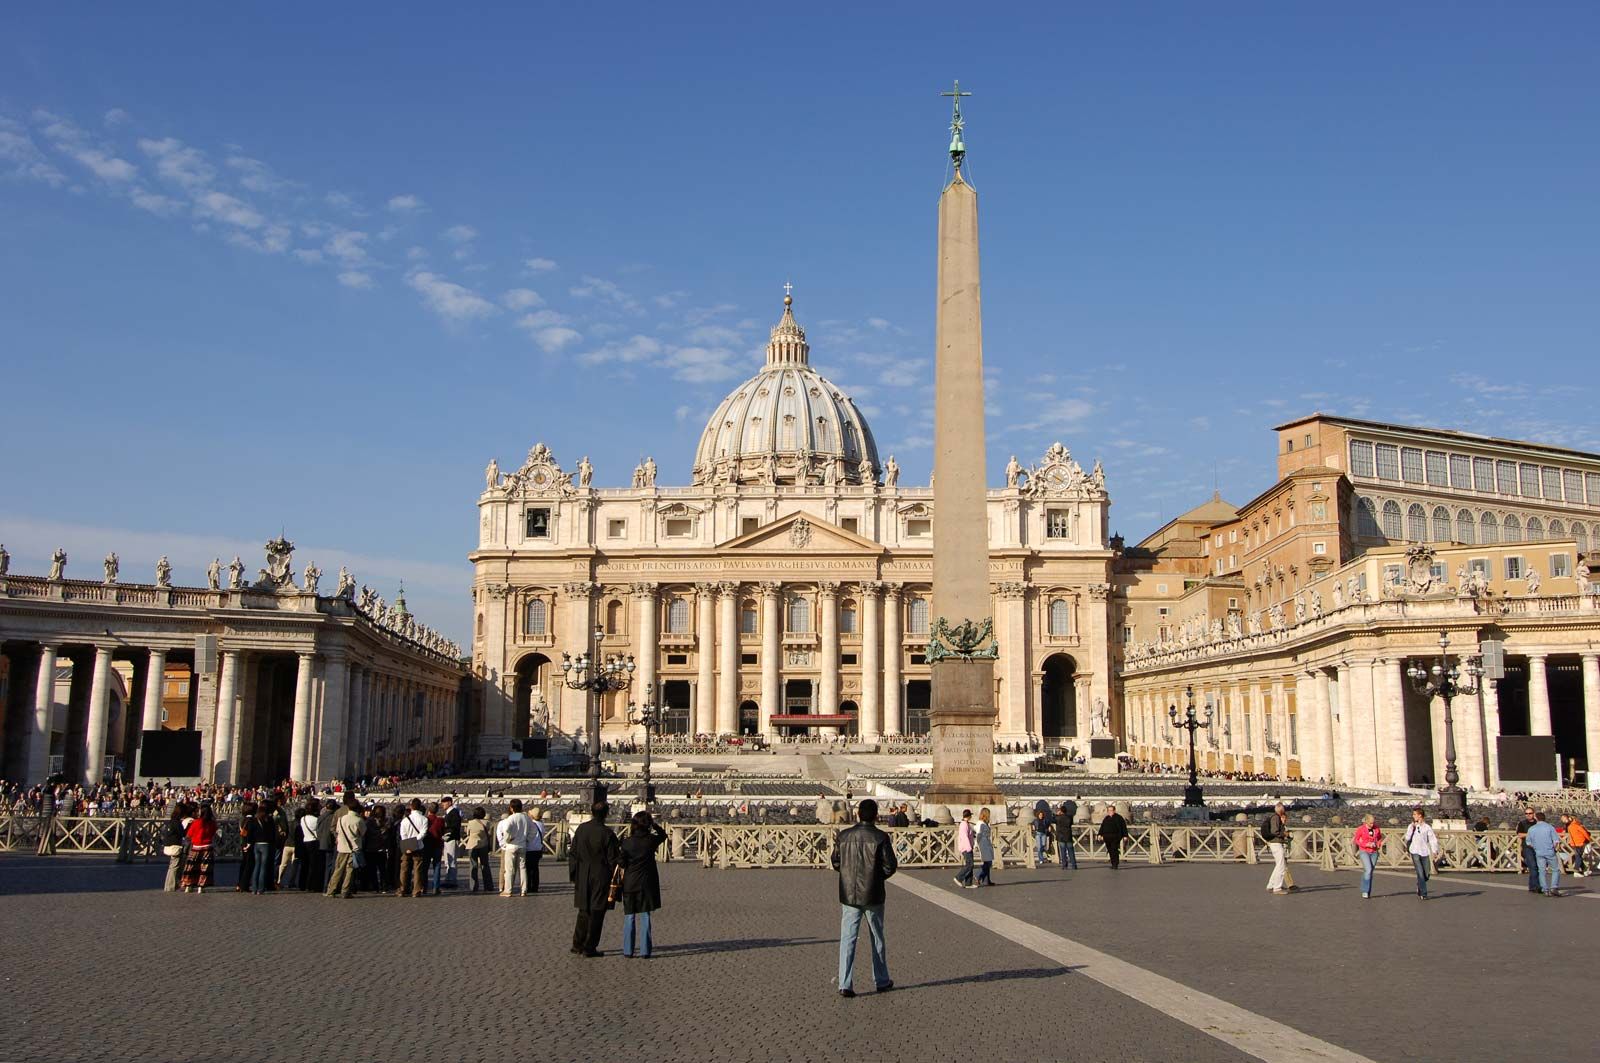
[[961, 649]]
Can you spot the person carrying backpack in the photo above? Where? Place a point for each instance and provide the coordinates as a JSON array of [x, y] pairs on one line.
[[1275, 832]]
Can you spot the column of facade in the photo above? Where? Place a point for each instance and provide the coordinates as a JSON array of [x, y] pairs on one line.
[[350, 736], [577, 597], [648, 644], [1591, 717], [771, 654], [728, 655], [1304, 724], [94, 739], [1280, 719], [300, 744], [222, 766], [154, 687], [1011, 621], [1538, 696], [1467, 714], [1327, 753], [335, 706], [828, 680], [705, 691], [44, 701], [1392, 689], [1363, 725], [870, 725], [498, 687], [893, 691]]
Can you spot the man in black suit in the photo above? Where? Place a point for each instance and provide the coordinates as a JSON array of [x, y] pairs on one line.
[[591, 856]]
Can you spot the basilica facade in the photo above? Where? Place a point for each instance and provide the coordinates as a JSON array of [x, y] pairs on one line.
[[785, 589]]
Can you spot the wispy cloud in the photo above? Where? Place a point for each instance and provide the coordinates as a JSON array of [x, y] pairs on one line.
[[405, 204], [449, 300], [352, 278], [539, 265], [522, 299], [460, 234]]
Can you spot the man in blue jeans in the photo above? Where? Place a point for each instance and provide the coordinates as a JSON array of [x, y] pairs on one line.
[[1065, 847], [864, 858]]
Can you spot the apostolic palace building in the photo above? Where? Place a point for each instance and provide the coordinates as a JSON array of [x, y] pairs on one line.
[[786, 588]]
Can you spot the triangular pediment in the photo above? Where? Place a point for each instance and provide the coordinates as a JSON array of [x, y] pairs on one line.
[[800, 533]]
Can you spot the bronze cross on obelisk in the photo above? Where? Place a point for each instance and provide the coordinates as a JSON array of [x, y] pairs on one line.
[[958, 149]]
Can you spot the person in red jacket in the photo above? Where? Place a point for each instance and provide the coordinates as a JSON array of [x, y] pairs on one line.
[[1369, 842], [202, 834]]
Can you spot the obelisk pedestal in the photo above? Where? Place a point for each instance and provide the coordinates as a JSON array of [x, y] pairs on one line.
[[962, 714]]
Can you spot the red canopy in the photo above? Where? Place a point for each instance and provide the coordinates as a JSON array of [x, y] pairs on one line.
[[812, 718]]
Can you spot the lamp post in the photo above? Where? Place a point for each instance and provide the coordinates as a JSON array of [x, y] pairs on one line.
[[647, 716], [1193, 796], [597, 676], [1444, 680]]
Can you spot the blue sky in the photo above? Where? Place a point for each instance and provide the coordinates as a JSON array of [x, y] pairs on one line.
[[308, 270]]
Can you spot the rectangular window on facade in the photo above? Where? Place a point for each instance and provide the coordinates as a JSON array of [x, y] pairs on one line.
[[919, 658], [1233, 535], [748, 524], [1482, 474], [616, 528], [849, 658], [1572, 485], [1162, 611], [679, 527], [1393, 574], [1479, 565], [1461, 472], [1530, 480], [1388, 461], [747, 658], [1411, 464], [163, 715], [1438, 468], [851, 524], [1361, 463], [1439, 572], [1233, 603], [537, 525], [1161, 588], [1057, 524], [1513, 568], [1591, 483], [1560, 566], [1127, 634], [919, 529], [1552, 483], [677, 658], [1319, 548], [1505, 474]]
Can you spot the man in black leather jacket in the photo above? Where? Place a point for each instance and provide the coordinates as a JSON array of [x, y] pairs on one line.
[[864, 857]]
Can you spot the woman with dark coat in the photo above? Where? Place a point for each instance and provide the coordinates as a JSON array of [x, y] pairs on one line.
[[591, 856], [641, 883], [1114, 831]]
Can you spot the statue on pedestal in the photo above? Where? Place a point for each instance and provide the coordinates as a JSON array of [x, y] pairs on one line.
[[58, 564], [235, 573], [311, 577], [585, 471], [163, 572], [1533, 580], [1580, 574], [347, 585], [649, 472], [113, 566], [891, 472], [1013, 472], [214, 574], [491, 475], [5, 560]]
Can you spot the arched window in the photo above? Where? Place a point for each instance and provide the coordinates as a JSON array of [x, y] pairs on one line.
[[613, 618], [1417, 523], [847, 617], [1557, 529], [824, 437], [918, 624], [1581, 537], [1441, 525], [1466, 527], [1511, 531], [1391, 519], [1489, 527], [799, 614], [1535, 529], [480, 625], [534, 617], [1367, 519], [677, 615], [747, 617], [1060, 617]]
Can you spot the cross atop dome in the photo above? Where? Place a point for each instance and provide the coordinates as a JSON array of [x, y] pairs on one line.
[[788, 345]]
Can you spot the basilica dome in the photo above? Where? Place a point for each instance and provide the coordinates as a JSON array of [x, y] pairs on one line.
[[787, 424]]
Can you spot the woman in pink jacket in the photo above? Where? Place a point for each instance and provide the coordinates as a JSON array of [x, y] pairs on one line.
[[966, 842], [1369, 840]]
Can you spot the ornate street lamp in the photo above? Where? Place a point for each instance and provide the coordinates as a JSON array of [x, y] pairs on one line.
[[1444, 680], [597, 677], [647, 716], [1193, 796]]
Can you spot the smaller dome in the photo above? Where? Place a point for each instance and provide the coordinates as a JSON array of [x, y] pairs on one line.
[[787, 424]]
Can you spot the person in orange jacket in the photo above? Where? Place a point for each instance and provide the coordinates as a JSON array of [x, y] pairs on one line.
[[1577, 837]]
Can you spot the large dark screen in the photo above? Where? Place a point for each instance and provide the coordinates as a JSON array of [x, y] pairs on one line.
[[169, 754], [1528, 759]]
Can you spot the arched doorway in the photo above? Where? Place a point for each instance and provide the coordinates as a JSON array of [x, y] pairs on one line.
[[532, 702], [849, 708], [1058, 698], [749, 718]]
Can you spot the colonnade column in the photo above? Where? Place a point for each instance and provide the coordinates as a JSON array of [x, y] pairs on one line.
[[870, 725], [577, 597], [94, 739], [771, 651], [300, 744], [728, 655], [828, 681], [1538, 696], [1011, 618], [1364, 733], [1591, 717], [44, 701], [1467, 715], [1305, 708], [893, 702], [1280, 713], [1327, 755], [649, 641], [154, 687], [1491, 726], [335, 706], [705, 691], [222, 766]]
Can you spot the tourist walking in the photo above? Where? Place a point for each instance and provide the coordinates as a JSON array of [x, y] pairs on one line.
[[864, 858], [413, 881], [1578, 839], [349, 832], [511, 833], [1529, 863], [591, 858], [452, 840], [476, 837], [258, 834], [1423, 845], [201, 834], [1113, 832], [1066, 847], [172, 839], [985, 848], [1275, 832], [1542, 841], [1041, 827], [966, 847], [1368, 842], [641, 883]]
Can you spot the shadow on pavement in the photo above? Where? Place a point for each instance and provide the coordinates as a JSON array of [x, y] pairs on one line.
[[992, 976], [701, 948]]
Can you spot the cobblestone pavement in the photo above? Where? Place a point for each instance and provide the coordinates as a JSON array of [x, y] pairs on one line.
[[99, 964]]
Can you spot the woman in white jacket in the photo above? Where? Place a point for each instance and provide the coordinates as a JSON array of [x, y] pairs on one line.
[[1423, 845]]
